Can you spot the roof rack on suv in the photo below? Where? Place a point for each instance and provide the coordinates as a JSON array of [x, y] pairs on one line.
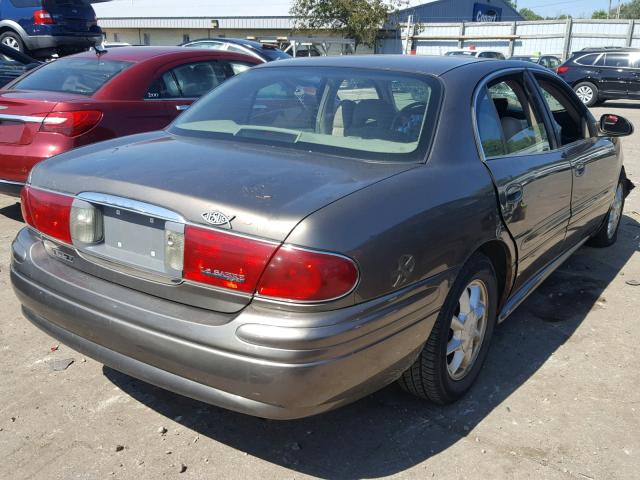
[[597, 49]]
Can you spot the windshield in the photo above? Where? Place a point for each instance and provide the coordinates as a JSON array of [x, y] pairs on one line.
[[79, 75], [363, 113]]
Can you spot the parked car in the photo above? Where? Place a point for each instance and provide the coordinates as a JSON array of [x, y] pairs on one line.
[[603, 74], [44, 27], [13, 64], [466, 52], [548, 61], [315, 229], [95, 96], [263, 51]]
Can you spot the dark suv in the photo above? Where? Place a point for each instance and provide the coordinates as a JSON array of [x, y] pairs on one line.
[[603, 74], [45, 27]]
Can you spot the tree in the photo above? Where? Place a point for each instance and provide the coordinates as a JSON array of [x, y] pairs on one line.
[[629, 10], [529, 14], [599, 15], [359, 20]]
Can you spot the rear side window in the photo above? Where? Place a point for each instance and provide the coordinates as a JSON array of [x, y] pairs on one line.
[[79, 75], [521, 126], [196, 79], [618, 60], [587, 60]]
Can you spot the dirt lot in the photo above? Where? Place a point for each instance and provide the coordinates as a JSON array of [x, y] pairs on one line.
[[559, 397]]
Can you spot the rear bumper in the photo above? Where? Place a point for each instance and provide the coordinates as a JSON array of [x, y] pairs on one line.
[[10, 188], [40, 42], [261, 361]]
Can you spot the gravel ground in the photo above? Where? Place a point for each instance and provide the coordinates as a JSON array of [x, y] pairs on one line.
[[558, 398]]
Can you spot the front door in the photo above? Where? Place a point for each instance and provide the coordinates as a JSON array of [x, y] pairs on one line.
[[593, 158], [532, 177]]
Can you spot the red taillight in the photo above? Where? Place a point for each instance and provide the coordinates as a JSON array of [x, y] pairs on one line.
[[47, 212], [70, 124], [562, 69], [255, 266], [42, 17], [305, 276], [225, 260]]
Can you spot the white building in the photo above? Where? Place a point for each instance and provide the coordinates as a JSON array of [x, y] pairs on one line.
[[170, 22]]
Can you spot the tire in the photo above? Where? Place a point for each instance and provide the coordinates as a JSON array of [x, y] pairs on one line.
[[12, 40], [607, 234], [433, 375], [587, 92]]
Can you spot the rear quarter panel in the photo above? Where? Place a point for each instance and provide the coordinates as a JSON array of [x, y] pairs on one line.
[[440, 212]]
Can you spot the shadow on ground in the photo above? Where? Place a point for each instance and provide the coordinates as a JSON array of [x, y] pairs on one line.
[[391, 431], [13, 212], [619, 104]]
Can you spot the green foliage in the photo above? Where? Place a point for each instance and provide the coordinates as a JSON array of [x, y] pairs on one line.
[[359, 20], [628, 10], [529, 14], [599, 15]]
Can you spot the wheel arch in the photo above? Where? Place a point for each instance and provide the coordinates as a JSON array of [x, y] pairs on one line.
[[11, 26], [502, 258]]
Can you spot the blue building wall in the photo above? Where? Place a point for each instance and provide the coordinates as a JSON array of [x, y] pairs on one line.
[[459, 11]]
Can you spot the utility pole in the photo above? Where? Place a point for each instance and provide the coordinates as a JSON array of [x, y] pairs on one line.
[[619, 6], [609, 10]]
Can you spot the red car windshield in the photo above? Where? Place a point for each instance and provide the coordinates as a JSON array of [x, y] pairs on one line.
[[79, 75]]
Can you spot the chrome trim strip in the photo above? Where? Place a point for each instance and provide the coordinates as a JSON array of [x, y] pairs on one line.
[[11, 182], [32, 119], [130, 205]]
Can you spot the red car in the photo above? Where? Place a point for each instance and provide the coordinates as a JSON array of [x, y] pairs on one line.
[[90, 97]]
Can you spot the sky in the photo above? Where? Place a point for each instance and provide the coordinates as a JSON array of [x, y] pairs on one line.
[[575, 8]]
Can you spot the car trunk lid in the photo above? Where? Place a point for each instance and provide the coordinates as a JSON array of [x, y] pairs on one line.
[[22, 113], [261, 192]]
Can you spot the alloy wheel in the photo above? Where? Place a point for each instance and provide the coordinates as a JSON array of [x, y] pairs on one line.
[[615, 213], [585, 94], [11, 43], [467, 331]]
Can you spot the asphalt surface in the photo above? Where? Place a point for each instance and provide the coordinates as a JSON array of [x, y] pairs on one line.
[[559, 396]]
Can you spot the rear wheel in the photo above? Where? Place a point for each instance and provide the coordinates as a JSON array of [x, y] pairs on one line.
[[12, 40], [587, 93], [608, 232], [457, 346]]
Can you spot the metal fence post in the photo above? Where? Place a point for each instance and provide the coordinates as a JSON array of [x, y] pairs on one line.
[[630, 33], [461, 40], [567, 39], [512, 42]]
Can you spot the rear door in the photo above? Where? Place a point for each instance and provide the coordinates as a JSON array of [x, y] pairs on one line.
[[178, 86], [593, 158], [616, 74], [532, 177]]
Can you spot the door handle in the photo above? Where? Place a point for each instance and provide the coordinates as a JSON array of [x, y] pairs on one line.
[[514, 195], [579, 169], [182, 108]]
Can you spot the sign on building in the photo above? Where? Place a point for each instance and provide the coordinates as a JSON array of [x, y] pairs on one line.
[[486, 13]]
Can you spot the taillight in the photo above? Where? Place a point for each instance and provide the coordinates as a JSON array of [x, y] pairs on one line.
[[307, 276], [562, 69], [70, 124], [47, 212], [42, 17], [224, 260], [255, 266]]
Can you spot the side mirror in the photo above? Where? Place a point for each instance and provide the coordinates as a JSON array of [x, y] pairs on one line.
[[615, 125]]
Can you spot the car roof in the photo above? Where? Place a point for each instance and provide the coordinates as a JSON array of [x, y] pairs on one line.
[[140, 54], [433, 65], [238, 41]]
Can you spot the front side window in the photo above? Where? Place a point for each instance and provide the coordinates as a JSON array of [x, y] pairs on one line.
[[349, 112], [567, 117], [84, 76], [521, 126]]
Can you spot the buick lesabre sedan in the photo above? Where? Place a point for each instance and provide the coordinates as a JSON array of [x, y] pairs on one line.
[[313, 230]]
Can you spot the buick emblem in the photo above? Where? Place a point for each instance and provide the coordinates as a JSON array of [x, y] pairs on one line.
[[214, 217]]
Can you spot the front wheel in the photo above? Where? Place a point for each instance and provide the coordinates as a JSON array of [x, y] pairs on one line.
[[457, 346], [608, 232], [587, 93]]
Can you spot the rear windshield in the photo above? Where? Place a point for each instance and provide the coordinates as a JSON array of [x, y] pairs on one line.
[[367, 114], [274, 53], [79, 75]]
